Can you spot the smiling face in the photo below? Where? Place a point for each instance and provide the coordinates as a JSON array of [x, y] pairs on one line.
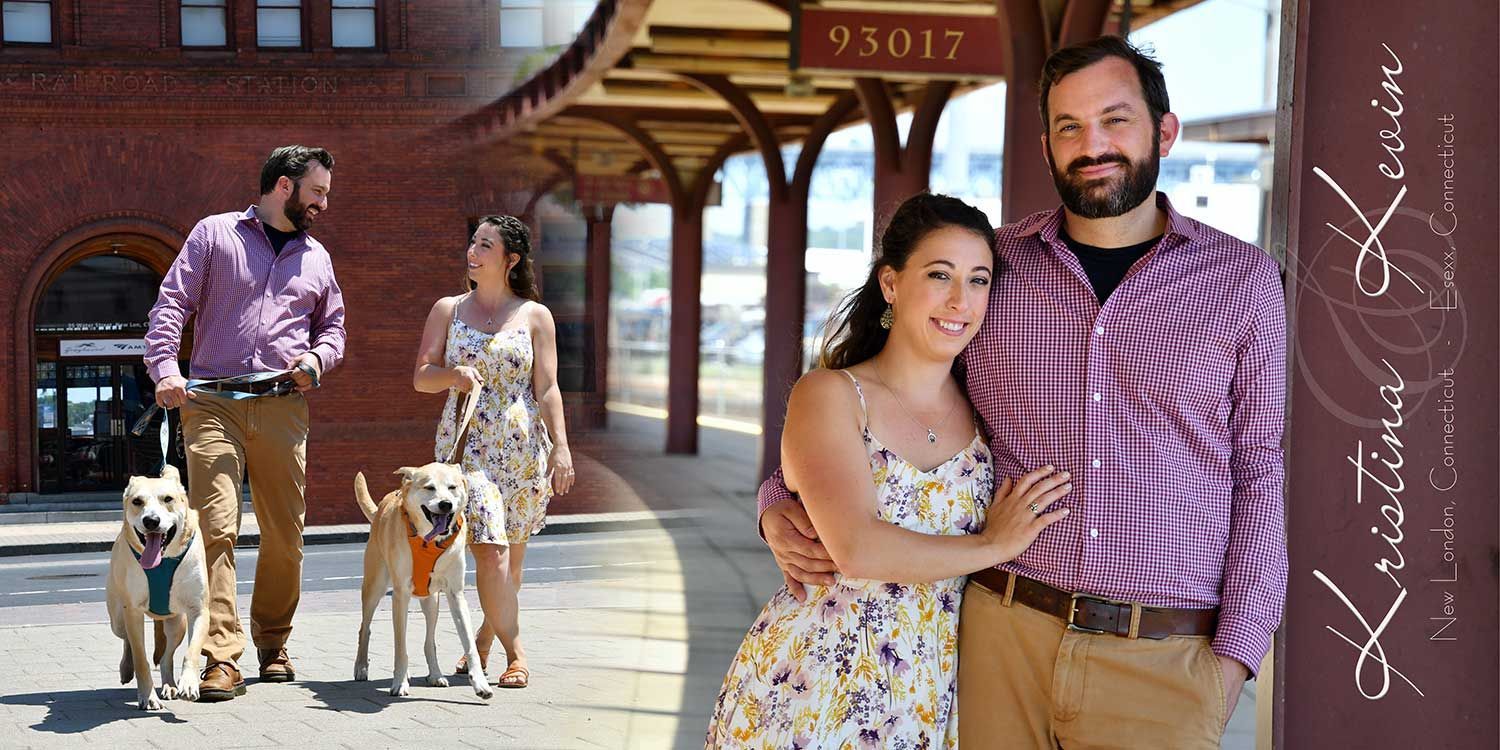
[[1104, 150], [307, 196], [435, 495], [155, 512], [488, 261], [939, 297]]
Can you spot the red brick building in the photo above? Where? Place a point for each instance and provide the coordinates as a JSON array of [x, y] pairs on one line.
[[124, 122]]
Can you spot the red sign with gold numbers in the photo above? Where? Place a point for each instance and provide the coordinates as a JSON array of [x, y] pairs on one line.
[[910, 43]]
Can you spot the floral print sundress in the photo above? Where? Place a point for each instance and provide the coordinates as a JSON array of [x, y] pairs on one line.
[[863, 664], [507, 447]]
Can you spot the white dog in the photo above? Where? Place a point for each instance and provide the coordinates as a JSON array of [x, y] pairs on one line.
[[157, 570], [416, 547]]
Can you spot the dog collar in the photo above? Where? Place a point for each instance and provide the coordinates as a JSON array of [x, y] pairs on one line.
[[159, 581], [424, 554]]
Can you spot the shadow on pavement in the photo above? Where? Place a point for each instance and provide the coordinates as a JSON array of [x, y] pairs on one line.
[[373, 696], [78, 711]]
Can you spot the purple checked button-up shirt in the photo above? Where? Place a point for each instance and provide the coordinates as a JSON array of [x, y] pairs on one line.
[[254, 310], [1166, 405]]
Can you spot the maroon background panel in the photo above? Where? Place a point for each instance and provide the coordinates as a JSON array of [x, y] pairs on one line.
[[1390, 637], [832, 39]]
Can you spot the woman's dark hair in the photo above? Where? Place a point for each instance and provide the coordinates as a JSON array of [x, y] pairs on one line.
[[1076, 57], [517, 239], [291, 162], [855, 334]]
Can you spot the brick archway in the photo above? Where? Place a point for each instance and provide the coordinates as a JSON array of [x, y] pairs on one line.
[[150, 240]]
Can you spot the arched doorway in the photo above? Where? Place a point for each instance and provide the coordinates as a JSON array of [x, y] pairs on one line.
[[90, 383]]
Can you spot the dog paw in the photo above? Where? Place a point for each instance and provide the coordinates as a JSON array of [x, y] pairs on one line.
[[169, 692], [400, 690], [361, 672], [437, 680], [148, 702], [482, 688], [188, 689]]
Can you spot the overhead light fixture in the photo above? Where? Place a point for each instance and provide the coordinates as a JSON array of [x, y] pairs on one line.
[[800, 85]]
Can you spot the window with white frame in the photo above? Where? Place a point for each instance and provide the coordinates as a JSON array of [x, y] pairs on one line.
[[205, 23], [354, 23], [26, 22], [521, 23], [542, 23], [278, 23], [563, 20]]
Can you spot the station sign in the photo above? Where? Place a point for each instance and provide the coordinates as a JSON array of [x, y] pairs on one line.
[[933, 45]]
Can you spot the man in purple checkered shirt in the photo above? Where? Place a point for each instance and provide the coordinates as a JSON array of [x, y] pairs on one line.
[[263, 297], [1143, 352]]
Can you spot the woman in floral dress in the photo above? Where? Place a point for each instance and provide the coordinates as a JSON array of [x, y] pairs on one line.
[[882, 447], [499, 340]]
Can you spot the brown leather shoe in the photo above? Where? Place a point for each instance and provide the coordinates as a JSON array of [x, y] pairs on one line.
[[221, 682], [275, 665]]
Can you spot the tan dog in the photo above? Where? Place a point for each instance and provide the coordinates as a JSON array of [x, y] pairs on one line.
[[422, 519], [157, 570]]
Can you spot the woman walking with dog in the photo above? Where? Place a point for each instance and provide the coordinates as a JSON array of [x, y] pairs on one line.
[[499, 341]]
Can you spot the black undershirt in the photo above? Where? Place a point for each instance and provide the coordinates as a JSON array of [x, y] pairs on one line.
[[279, 238], [1106, 266]]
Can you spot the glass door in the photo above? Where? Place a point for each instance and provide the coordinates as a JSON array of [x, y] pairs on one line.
[[90, 429], [49, 419], [84, 414]]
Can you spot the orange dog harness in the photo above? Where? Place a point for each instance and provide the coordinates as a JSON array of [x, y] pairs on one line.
[[424, 554]]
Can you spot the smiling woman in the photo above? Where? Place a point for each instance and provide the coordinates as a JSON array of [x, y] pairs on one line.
[[900, 488]]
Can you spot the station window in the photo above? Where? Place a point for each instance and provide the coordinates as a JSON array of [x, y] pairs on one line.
[[26, 22], [542, 23], [278, 23], [354, 23], [205, 23], [521, 23]]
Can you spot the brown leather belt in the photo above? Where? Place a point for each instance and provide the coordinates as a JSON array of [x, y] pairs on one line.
[[1094, 614], [258, 388]]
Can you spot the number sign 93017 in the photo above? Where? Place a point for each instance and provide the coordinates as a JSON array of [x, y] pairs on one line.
[[916, 43]]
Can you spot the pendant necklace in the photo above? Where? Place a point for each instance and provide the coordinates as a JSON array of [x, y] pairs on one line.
[[931, 431]]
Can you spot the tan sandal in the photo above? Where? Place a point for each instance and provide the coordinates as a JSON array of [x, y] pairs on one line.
[[514, 676], [462, 667]]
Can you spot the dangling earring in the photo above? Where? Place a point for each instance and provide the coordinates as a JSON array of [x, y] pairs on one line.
[[887, 318]]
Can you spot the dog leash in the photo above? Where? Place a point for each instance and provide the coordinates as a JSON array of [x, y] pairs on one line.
[[283, 386], [470, 405]]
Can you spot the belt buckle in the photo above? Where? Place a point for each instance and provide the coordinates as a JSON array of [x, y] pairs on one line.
[[1073, 612]]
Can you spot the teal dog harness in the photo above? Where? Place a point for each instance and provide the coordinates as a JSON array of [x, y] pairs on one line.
[[159, 579]]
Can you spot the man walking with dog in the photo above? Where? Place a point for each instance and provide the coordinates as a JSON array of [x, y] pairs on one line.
[[263, 298], [1145, 353]]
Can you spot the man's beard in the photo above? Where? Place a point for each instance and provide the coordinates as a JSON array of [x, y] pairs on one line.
[[297, 212], [1107, 197]]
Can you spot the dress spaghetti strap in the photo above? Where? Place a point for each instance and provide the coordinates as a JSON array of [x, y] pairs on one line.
[[864, 411]]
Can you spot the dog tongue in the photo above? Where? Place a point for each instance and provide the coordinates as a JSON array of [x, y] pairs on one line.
[[151, 555], [439, 526]]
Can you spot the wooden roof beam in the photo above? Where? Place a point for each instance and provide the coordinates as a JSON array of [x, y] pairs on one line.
[[647, 60], [719, 42]]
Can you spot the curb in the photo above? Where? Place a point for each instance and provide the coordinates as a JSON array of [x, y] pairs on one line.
[[559, 527]]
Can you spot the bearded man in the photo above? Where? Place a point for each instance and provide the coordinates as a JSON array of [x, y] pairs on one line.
[[1144, 353], [263, 299]]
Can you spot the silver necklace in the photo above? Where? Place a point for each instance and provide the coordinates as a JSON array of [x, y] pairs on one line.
[[931, 431], [489, 322]]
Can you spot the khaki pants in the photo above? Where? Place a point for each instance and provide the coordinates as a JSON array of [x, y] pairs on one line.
[[1026, 681], [268, 436]]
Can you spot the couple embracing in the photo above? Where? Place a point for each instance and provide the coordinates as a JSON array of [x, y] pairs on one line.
[[1039, 475]]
